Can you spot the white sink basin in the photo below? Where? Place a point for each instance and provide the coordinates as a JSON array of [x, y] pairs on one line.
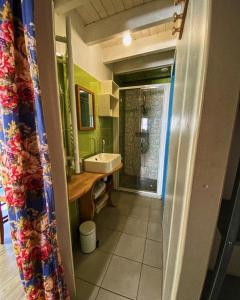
[[102, 163]]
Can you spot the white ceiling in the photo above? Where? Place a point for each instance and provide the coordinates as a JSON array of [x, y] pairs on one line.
[[154, 30], [96, 10], [104, 22]]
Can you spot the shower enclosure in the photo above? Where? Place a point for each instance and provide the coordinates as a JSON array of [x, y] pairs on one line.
[[142, 137]]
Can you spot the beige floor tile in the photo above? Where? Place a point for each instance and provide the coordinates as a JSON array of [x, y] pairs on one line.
[[106, 295], [124, 197], [154, 231], [153, 254], [140, 212], [156, 203], [123, 208], [142, 201], [131, 247], [111, 219], [100, 218], [122, 277], [150, 287], [85, 290], [92, 267], [108, 211], [135, 227], [116, 195], [115, 222], [155, 215], [108, 239]]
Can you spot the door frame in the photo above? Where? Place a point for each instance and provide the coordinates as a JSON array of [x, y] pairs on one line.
[[163, 132]]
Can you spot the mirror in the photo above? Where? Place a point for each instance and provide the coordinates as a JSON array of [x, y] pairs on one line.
[[85, 108]]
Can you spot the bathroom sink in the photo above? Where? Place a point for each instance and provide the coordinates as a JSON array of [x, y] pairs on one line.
[[102, 163]]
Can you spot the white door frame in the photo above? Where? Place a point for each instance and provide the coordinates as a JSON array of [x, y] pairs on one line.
[[163, 135]]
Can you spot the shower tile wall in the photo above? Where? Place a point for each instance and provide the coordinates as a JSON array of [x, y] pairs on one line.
[[131, 116], [143, 166]]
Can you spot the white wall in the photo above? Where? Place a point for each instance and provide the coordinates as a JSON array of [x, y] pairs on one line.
[[86, 57], [190, 67], [200, 146], [221, 98], [144, 62]]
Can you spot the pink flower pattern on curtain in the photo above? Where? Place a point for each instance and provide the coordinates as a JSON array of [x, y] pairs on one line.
[[25, 166]]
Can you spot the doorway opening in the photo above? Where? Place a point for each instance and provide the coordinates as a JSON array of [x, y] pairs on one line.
[[142, 137]]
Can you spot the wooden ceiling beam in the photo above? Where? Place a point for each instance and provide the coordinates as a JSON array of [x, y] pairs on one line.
[[140, 17], [63, 6], [150, 61], [143, 46]]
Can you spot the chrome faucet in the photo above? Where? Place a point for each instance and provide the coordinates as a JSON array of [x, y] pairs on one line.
[[94, 143], [103, 145]]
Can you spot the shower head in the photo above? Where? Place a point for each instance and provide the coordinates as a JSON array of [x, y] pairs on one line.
[[143, 106]]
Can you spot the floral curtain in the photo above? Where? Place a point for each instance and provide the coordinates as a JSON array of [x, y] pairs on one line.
[[25, 167]]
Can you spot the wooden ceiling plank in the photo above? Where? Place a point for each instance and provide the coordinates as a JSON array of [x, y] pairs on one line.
[[82, 11], [153, 30], [151, 44], [169, 25], [92, 12], [119, 6], [144, 16], [137, 2], [88, 14], [109, 7], [63, 6], [136, 35], [162, 27], [99, 8], [146, 32], [127, 4]]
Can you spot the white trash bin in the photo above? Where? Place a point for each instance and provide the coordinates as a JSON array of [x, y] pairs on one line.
[[88, 236]]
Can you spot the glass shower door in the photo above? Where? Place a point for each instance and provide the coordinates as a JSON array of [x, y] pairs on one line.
[[141, 116]]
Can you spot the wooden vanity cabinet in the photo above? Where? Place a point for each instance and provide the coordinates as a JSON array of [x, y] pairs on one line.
[[80, 189], [87, 203]]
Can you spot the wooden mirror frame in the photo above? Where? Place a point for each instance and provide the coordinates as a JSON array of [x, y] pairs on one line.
[[79, 117]]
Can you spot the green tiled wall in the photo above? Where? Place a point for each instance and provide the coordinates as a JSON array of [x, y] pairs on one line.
[[104, 126]]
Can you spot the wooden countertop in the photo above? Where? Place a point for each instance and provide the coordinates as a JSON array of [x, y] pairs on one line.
[[82, 183]]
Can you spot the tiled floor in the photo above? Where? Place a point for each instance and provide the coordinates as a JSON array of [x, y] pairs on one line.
[[128, 262], [10, 285]]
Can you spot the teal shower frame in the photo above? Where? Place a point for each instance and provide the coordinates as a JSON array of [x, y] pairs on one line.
[[166, 156], [160, 191]]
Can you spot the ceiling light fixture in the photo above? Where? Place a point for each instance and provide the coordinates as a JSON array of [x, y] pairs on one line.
[[127, 39]]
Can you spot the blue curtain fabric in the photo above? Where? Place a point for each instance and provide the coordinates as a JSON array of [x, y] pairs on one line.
[[25, 166]]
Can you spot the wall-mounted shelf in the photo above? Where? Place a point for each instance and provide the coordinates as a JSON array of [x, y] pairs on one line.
[[108, 106], [110, 87], [109, 99]]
